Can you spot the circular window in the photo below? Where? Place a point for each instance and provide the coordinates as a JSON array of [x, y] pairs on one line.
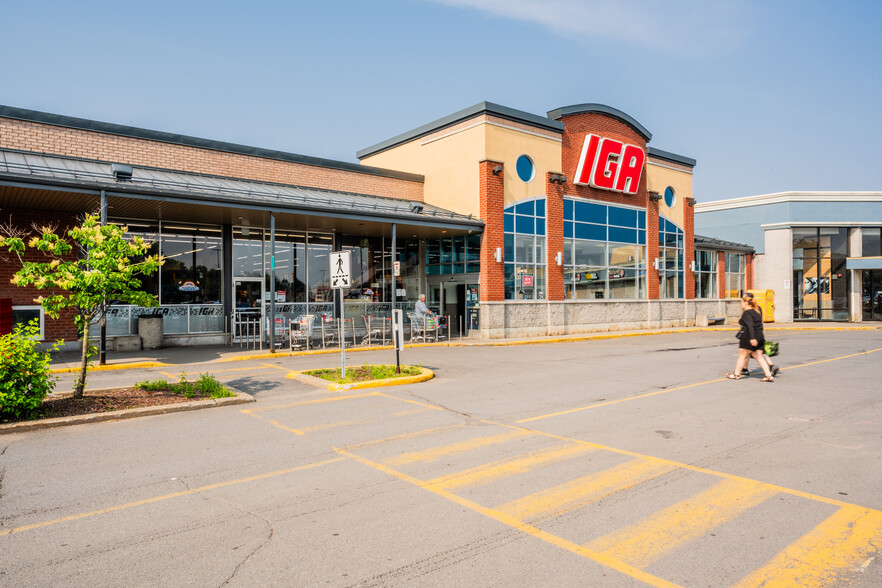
[[526, 169], [670, 197]]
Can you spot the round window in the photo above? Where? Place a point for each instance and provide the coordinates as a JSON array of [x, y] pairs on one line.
[[670, 197], [526, 169]]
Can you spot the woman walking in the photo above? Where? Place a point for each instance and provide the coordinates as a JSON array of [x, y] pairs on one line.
[[751, 340]]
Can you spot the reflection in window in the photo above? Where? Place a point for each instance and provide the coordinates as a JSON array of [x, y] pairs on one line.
[[319, 264], [820, 282], [671, 256], [524, 240], [191, 273], [705, 274]]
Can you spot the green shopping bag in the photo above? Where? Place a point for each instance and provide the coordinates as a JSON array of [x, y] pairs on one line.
[[771, 348]]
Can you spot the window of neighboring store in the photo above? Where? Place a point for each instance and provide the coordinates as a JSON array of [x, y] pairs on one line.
[[290, 273], [22, 315], [604, 251], [705, 274], [670, 253], [871, 242], [524, 238], [820, 282], [453, 255], [367, 267], [191, 272], [318, 268], [736, 275]]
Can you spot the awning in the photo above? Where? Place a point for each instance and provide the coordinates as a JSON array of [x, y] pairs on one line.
[[863, 263]]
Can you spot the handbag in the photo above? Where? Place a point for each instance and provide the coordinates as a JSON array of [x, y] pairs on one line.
[[739, 334], [771, 348]]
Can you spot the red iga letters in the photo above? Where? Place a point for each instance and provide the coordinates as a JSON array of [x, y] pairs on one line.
[[610, 165]]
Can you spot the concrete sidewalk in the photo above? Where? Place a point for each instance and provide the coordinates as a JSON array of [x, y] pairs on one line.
[[175, 356]]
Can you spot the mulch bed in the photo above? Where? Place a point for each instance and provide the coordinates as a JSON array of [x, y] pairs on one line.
[[64, 405]]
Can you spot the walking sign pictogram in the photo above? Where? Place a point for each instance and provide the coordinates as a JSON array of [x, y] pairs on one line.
[[340, 269]]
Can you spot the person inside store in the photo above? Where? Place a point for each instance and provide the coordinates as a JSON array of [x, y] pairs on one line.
[[750, 340], [772, 366]]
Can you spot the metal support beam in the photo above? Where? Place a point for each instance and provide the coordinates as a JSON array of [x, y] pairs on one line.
[[272, 325], [394, 259], [102, 358]]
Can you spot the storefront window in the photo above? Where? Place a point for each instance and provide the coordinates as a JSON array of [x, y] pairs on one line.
[[524, 239], [671, 256], [705, 274], [820, 282], [290, 273], [149, 232], [604, 251], [247, 253], [318, 276], [453, 255], [191, 273], [736, 276], [871, 242]]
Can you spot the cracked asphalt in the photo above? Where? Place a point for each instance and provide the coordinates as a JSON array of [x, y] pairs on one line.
[[621, 462]]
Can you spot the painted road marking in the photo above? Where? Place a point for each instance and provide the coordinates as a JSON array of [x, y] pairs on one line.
[[154, 499], [644, 542], [842, 541], [585, 490], [315, 401], [487, 473], [667, 390], [436, 453], [328, 426]]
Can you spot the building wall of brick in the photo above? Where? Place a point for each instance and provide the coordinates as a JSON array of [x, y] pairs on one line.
[[689, 250], [492, 196], [63, 327], [554, 194], [57, 140]]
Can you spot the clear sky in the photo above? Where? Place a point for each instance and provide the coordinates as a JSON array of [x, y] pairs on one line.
[[768, 96]]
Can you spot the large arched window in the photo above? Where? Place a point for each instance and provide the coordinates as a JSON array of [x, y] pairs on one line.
[[524, 227]]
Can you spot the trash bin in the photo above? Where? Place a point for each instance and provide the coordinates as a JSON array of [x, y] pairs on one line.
[[150, 330], [765, 299]]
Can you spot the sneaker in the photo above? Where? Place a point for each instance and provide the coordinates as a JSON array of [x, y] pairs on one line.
[[745, 372], [775, 370]]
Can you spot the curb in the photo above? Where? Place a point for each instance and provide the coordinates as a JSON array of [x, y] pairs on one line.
[[425, 375], [116, 415], [104, 368]]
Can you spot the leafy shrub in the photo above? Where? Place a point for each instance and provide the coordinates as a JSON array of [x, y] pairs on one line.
[[153, 385], [209, 386], [25, 379], [206, 385]]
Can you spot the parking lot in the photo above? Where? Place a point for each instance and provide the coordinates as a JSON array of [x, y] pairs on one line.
[[621, 462]]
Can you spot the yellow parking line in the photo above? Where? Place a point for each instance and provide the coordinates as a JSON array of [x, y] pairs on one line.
[[487, 473], [665, 391], [842, 541], [411, 435], [645, 541], [545, 536], [328, 426], [315, 401], [166, 497], [436, 453], [585, 490]]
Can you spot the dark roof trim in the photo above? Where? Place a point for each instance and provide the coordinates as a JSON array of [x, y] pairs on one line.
[[709, 243], [672, 157], [187, 141], [456, 118], [559, 113]]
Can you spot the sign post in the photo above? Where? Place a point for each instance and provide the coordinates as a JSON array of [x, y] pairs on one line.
[[340, 279], [398, 336]]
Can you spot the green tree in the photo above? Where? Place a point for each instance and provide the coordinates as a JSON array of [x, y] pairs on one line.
[[106, 269]]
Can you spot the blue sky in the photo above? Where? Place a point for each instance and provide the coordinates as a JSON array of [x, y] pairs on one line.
[[767, 96]]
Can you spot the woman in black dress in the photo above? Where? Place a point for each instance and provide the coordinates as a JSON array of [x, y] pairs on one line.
[[751, 342]]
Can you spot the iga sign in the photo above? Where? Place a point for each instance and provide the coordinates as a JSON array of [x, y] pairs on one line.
[[610, 165]]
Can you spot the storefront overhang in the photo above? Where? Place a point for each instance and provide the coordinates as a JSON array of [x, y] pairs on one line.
[[42, 182], [863, 263]]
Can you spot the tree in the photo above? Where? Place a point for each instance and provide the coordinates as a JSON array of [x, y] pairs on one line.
[[106, 269]]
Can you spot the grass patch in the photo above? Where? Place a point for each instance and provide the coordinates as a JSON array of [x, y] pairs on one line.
[[206, 385], [364, 373]]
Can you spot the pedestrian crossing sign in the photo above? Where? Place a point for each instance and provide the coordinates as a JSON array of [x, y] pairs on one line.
[[340, 269]]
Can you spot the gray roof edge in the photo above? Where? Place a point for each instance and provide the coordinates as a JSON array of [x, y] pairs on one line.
[[188, 141], [558, 113], [457, 117], [714, 243], [672, 157]]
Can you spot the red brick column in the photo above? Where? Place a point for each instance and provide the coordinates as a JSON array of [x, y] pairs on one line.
[[492, 206], [721, 274], [748, 259], [651, 249], [689, 247], [554, 237]]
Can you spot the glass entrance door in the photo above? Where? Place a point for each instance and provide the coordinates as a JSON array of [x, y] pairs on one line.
[[248, 298], [871, 295]]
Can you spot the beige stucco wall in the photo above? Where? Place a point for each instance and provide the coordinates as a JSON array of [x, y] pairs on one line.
[[774, 271], [449, 161], [659, 177]]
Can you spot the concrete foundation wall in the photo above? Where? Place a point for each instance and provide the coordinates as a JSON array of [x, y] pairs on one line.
[[522, 318]]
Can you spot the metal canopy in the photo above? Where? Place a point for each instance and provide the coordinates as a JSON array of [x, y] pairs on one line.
[[62, 183]]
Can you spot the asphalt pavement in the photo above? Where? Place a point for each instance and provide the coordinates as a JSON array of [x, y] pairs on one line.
[[626, 461]]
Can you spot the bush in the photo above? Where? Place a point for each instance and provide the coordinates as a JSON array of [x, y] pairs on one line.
[[25, 379]]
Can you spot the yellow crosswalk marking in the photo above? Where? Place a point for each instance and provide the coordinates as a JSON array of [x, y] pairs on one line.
[[436, 453], [486, 473], [647, 540], [584, 490], [840, 542]]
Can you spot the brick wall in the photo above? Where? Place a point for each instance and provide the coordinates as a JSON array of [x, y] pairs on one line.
[[554, 194], [55, 329], [721, 273], [689, 249], [45, 138], [492, 207]]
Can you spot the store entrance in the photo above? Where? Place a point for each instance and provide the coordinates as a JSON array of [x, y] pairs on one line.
[[247, 323], [457, 299], [871, 295]]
